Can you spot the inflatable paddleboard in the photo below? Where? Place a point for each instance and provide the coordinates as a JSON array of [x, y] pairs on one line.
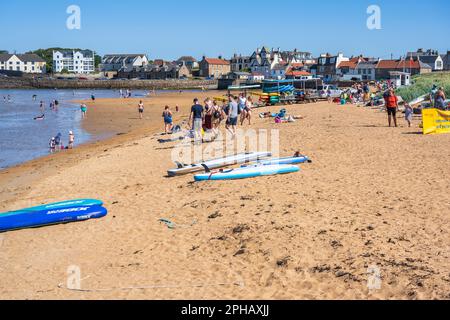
[[278, 161], [218, 163], [58, 205], [33, 219], [248, 172]]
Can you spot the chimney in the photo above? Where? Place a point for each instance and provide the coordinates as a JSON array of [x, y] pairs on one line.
[[220, 57]]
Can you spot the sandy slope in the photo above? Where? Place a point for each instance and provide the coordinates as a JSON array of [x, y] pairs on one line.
[[374, 196]]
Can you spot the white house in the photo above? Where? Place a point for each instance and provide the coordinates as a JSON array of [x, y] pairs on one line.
[[256, 77], [27, 63], [123, 62], [74, 61]]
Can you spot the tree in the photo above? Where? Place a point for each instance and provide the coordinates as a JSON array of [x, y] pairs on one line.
[[64, 71], [4, 52]]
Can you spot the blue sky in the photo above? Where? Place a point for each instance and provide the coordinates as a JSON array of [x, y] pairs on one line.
[[171, 28]]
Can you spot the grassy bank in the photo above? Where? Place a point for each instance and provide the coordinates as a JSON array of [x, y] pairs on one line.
[[422, 84]]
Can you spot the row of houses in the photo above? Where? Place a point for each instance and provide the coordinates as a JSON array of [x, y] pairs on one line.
[[263, 63]]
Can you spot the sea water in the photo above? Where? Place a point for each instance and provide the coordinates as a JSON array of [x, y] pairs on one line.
[[23, 139]]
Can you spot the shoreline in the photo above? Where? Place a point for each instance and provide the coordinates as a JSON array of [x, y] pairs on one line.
[[373, 196]]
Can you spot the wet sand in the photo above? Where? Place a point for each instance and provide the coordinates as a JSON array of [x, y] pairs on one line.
[[373, 197]]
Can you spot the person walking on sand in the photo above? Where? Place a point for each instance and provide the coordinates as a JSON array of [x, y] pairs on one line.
[[83, 108], [242, 104], [408, 114], [391, 106], [248, 111], [71, 140], [196, 120], [168, 121], [141, 109], [233, 114], [41, 106]]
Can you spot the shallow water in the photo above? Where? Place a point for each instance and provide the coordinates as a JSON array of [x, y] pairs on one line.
[[23, 139]]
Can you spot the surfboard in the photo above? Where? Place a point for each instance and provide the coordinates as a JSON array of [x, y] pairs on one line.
[[247, 172], [58, 205], [33, 219], [279, 161], [218, 163]]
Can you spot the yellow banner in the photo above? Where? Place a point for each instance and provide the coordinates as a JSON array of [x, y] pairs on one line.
[[435, 121]]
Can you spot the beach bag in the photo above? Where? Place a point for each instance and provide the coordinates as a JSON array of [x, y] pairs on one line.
[[277, 120]]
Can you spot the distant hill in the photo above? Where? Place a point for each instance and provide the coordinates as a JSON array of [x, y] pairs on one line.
[[3, 51], [47, 55]]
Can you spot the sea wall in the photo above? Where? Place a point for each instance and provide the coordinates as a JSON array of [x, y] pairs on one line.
[[45, 83]]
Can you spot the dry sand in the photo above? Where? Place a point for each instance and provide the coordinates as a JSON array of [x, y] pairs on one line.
[[373, 196]]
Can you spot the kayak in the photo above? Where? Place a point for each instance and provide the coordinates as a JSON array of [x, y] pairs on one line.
[[218, 163], [289, 160], [247, 172], [58, 205], [33, 219]]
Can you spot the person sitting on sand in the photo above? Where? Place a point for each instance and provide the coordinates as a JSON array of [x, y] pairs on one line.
[[141, 109], [391, 106], [71, 140], [168, 121], [439, 99]]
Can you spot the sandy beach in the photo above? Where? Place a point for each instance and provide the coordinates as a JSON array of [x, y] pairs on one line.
[[373, 197]]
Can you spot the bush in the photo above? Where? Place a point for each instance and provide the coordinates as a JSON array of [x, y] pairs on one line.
[[422, 85]]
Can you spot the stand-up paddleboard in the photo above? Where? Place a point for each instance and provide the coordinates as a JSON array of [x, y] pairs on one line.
[[288, 160], [33, 219], [58, 205], [419, 100], [218, 163], [248, 172]]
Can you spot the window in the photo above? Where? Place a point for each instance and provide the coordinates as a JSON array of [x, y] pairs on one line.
[[25, 68]]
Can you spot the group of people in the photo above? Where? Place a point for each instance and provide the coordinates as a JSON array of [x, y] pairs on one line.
[[209, 117], [125, 94], [56, 144]]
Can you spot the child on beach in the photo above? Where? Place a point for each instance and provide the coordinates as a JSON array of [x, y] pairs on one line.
[[141, 109], [71, 140], [408, 114], [52, 145]]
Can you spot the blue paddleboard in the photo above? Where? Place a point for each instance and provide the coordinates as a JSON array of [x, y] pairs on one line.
[[247, 172], [42, 218], [58, 205], [289, 160]]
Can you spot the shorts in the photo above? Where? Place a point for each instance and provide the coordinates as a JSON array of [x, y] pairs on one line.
[[392, 112], [198, 124], [141, 110], [233, 121]]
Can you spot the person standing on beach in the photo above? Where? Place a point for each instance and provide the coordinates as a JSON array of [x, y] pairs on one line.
[[168, 121], [41, 106], [233, 115], [196, 119], [83, 108], [71, 140], [408, 114], [391, 106], [52, 145], [141, 109]]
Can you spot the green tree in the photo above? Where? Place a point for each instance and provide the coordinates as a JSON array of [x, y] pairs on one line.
[[3, 52]]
